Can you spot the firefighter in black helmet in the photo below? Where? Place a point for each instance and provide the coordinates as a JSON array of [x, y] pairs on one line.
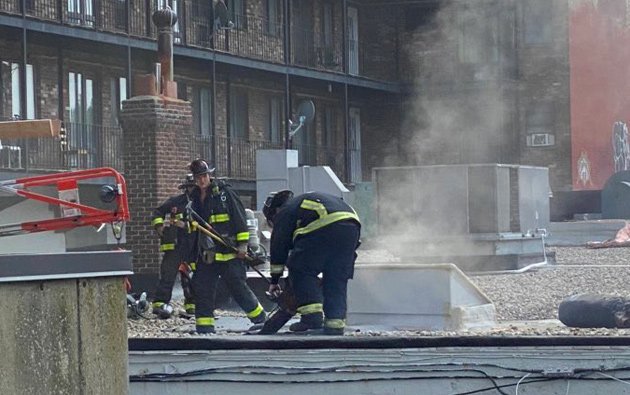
[[219, 205], [321, 232], [176, 244]]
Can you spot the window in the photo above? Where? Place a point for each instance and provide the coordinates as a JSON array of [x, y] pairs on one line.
[[118, 89], [80, 127], [327, 24], [238, 114], [421, 16], [275, 120], [274, 26], [537, 21], [539, 118], [202, 114], [478, 42], [81, 12], [326, 52], [16, 92], [236, 11]]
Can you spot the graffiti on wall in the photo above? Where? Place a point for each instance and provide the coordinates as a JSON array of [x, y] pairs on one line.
[[598, 45], [584, 169], [621, 148]]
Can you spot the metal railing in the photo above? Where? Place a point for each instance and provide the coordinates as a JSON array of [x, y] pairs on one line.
[[308, 50], [235, 158], [87, 146], [252, 36], [321, 155]]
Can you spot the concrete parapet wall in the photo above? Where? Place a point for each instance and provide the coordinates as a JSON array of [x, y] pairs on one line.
[[63, 336]]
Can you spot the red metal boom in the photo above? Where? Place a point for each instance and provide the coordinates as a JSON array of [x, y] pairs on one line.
[[87, 215]]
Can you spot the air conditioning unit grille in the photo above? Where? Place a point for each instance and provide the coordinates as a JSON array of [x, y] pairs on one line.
[[540, 140]]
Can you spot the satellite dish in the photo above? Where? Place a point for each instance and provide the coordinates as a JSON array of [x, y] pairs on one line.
[[305, 114], [306, 109], [221, 14]]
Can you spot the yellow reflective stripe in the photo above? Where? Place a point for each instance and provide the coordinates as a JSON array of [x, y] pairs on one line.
[[167, 247], [327, 220], [315, 206], [256, 312], [310, 308], [224, 257], [335, 323], [242, 236], [276, 268], [157, 304], [189, 306], [204, 321], [193, 266], [179, 216], [219, 218], [193, 226], [157, 221]]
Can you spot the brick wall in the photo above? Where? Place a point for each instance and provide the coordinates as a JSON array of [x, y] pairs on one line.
[[544, 78], [156, 129]]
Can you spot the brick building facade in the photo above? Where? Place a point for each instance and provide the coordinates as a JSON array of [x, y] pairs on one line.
[[415, 82]]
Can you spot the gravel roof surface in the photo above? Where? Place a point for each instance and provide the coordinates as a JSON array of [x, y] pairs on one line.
[[526, 303]]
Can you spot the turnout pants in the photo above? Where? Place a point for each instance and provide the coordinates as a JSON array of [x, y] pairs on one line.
[[234, 274], [168, 273], [330, 251]]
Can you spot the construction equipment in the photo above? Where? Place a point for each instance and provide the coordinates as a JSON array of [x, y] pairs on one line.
[[73, 214]]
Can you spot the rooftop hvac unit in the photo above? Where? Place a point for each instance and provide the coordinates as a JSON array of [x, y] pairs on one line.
[[540, 140]]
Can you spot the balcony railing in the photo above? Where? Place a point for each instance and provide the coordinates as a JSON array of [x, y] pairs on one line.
[[252, 36], [88, 146], [236, 158], [319, 155]]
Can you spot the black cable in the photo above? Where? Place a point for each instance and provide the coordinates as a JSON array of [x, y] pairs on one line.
[[507, 385]]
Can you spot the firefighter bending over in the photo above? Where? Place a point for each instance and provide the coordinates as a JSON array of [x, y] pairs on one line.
[[321, 232], [219, 205], [176, 243]]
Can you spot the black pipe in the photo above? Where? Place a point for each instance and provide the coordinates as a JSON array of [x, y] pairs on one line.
[[370, 342]]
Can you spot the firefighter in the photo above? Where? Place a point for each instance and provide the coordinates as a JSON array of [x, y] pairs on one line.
[[176, 244], [314, 233], [219, 205]]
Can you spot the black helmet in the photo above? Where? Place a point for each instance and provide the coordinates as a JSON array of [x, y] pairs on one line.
[[199, 167], [274, 201], [189, 181]]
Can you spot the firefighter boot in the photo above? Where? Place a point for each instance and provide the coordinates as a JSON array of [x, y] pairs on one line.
[[162, 310], [308, 321], [190, 308], [258, 321]]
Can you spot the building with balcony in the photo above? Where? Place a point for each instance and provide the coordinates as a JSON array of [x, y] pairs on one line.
[[77, 60], [394, 83]]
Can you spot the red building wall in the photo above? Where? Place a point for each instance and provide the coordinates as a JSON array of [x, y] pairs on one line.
[[599, 48]]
